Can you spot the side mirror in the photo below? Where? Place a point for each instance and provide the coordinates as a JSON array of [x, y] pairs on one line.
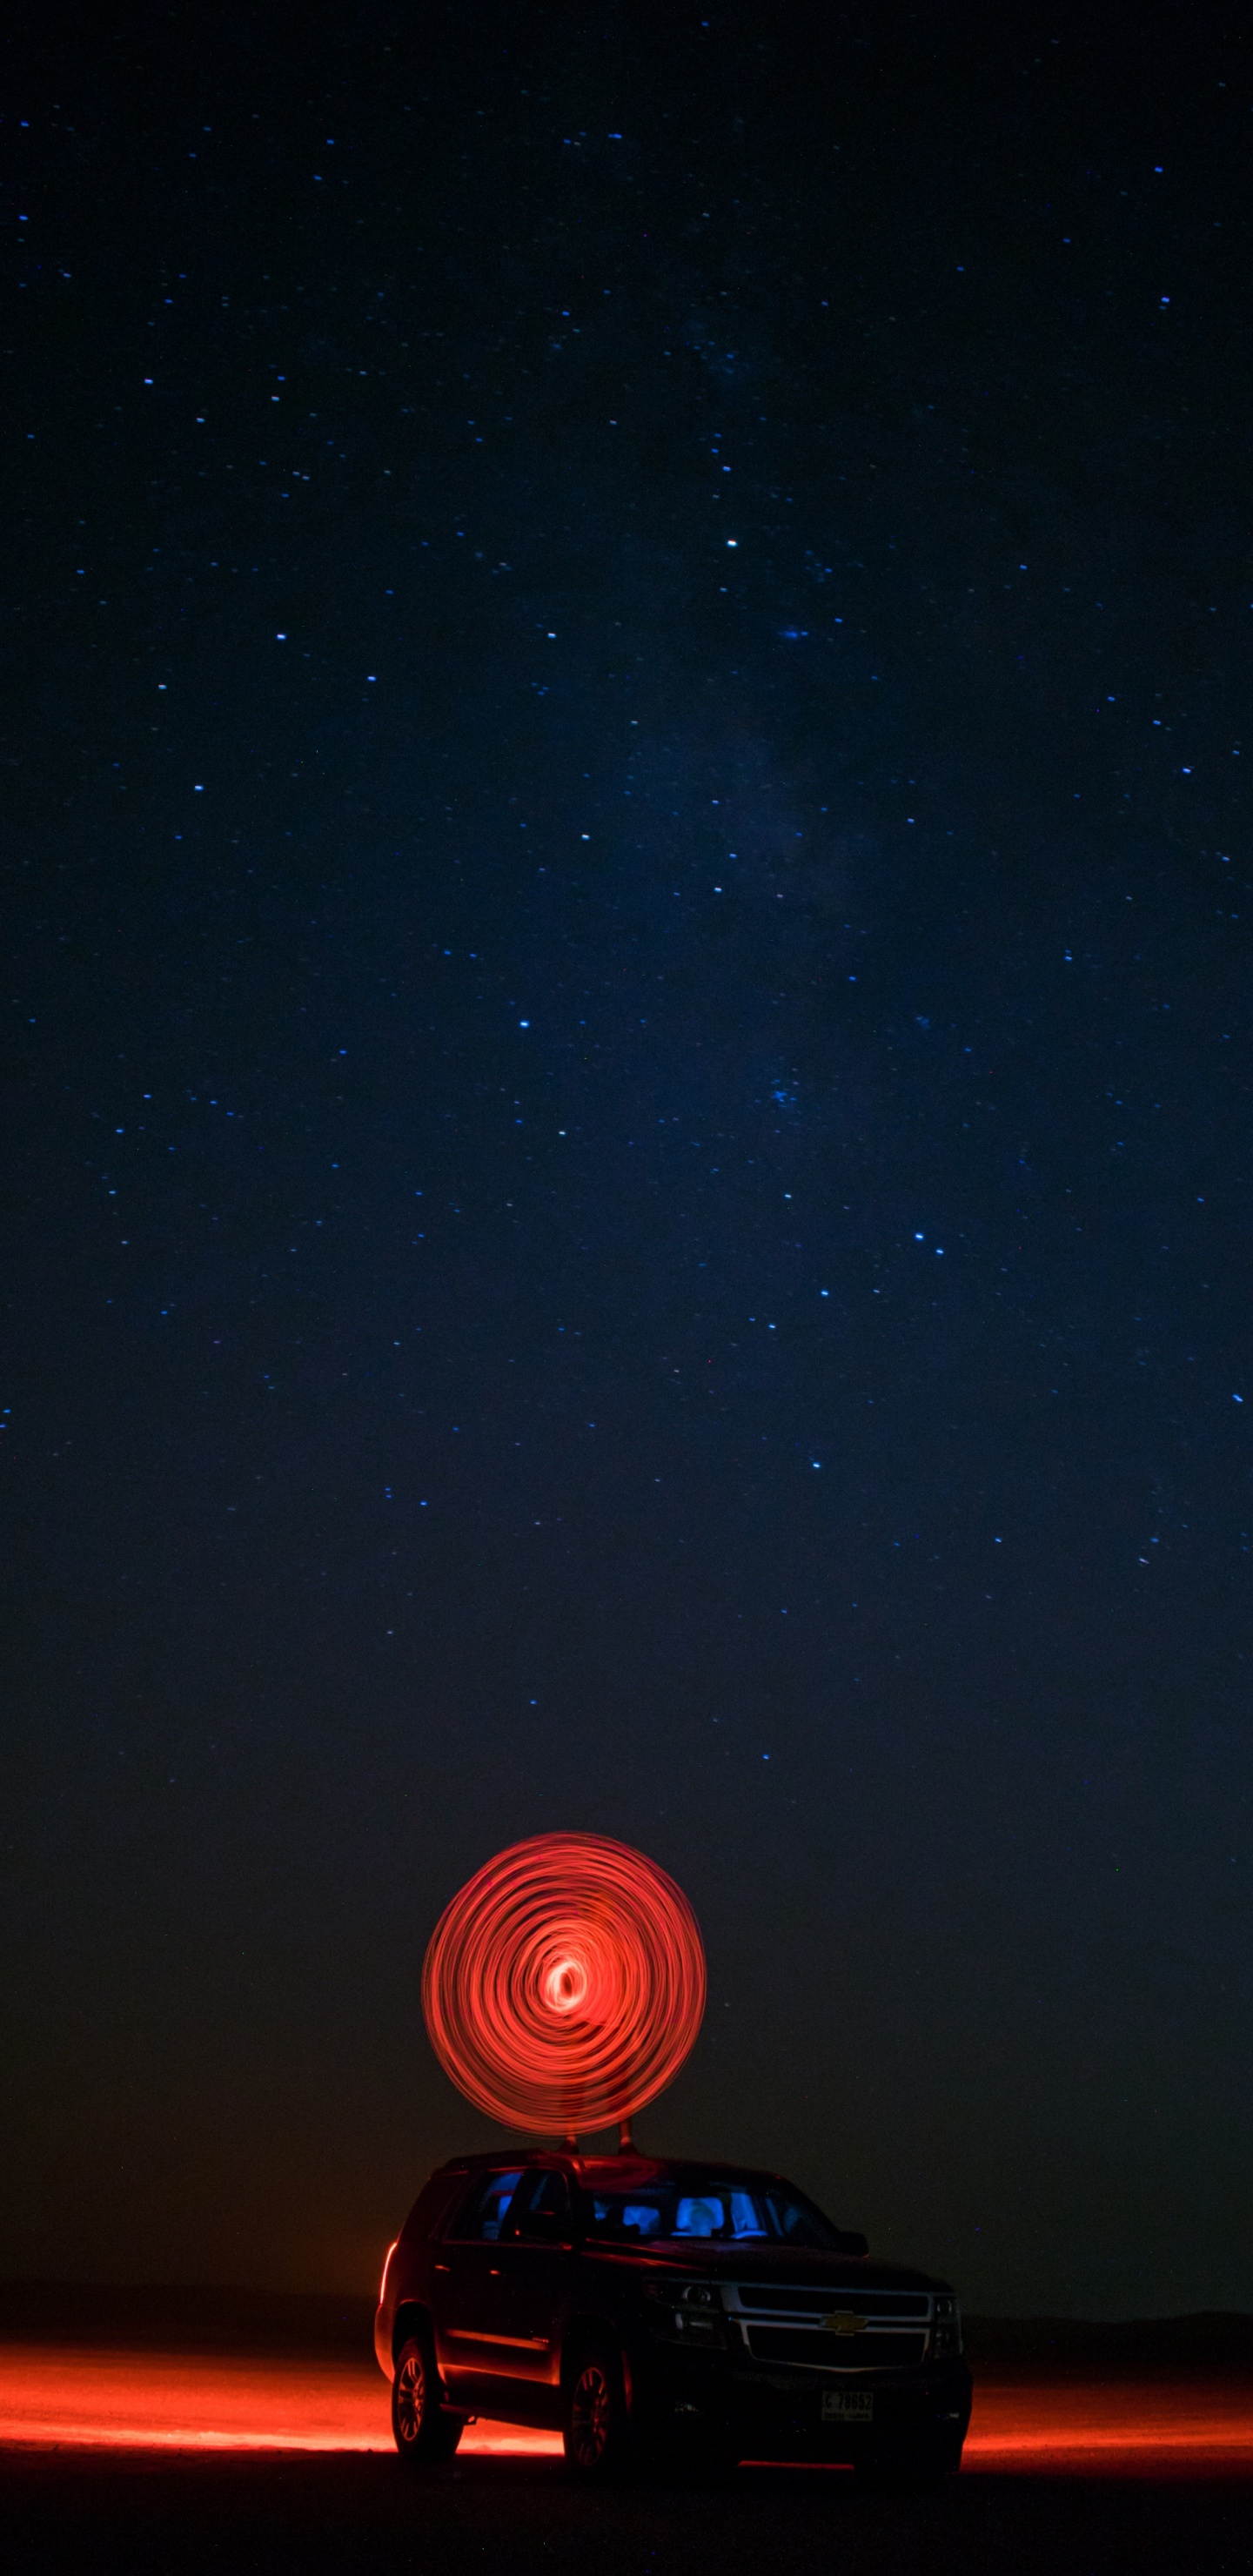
[[851, 2242], [544, 2227]]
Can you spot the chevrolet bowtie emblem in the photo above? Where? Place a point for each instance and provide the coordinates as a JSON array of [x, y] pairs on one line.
[[843, 2322]]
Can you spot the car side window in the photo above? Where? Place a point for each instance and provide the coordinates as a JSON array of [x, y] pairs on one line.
[[628, 2221], [484, 2213], [701, 2215], [540, 2212], [796, 2226]]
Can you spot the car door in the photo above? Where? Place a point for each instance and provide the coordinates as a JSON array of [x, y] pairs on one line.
[[537, 2257], [468, 2286]]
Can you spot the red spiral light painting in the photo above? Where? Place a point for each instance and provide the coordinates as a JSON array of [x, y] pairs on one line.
[[565, 1984]]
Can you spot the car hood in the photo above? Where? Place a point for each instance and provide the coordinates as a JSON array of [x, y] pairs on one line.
[[707, 2261]]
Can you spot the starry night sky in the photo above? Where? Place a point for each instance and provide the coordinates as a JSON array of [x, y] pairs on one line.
[[628, 898]]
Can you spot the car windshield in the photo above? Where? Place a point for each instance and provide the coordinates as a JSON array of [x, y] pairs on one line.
[[708, 2206]]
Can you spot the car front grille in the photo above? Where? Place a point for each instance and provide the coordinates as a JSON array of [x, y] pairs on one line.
[[885, 2304], [817, 2349]]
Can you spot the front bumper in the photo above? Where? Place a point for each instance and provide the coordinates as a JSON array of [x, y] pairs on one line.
[[777, 2413]]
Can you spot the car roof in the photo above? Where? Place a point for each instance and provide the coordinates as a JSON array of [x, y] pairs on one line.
[[630, 2168]]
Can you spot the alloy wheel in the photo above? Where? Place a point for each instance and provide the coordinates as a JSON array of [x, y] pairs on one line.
[[410, 2399], [591, 2415]]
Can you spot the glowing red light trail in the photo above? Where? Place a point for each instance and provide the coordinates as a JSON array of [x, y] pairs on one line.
[[565, 1984], [96, 2399]]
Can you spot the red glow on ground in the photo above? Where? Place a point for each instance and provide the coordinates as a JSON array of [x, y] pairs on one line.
[[1118, 2430], [186, 2402], [565, 1984]]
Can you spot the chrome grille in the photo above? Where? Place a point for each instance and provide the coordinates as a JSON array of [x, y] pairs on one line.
[[846, 2329], [824, 2303], [817, 2350]]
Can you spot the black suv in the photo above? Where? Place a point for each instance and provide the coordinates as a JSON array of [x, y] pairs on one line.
[[647, 2308]]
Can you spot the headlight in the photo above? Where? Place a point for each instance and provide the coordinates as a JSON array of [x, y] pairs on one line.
[[946, 2332], [690, 2310], [684, 2294]]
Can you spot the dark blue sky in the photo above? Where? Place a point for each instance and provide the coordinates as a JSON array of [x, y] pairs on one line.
[[628, 1111]]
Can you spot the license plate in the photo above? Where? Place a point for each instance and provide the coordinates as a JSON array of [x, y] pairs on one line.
[[847, 2405]]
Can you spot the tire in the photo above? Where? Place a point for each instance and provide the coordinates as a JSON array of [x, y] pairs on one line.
[[595, 2428], [711, 2460], [719, 2459], [902, 2472], [420, 2428]]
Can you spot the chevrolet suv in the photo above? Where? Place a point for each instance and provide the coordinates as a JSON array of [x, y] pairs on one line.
[[649, 2308]]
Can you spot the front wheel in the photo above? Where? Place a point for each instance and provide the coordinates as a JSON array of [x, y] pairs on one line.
[[596, 2432], [902, 2472], [421, 2429]]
